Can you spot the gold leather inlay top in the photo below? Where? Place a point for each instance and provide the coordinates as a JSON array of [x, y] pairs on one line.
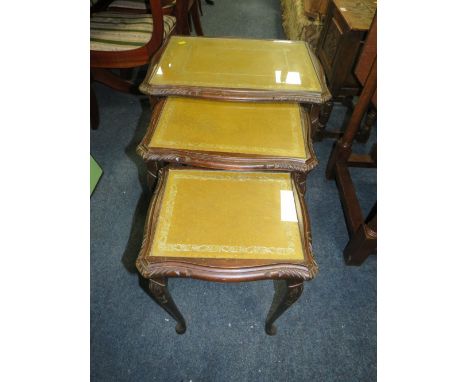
[[228, 215], [358, 14], [271, 129], [236, 63]]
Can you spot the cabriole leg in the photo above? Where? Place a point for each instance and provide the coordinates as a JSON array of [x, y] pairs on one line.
[[152, 168], [286, 294], [158, 289]]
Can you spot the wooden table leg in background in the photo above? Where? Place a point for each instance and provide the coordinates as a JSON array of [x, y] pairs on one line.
[[342, 149], [364, 242], [325, 112], [364, 133], [363, 235]]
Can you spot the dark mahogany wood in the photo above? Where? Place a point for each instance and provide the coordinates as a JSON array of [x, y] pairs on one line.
[[325, 112], [364, 64], [363, 235], [158, 289], [363, 242], [158, 269], [166, 5], [114, 81], [134, 57], [195, 17], [186, 11], [182, 10], [286, 294], [338, 48], [364, 132], [223, 270], [102, 61], [342, 149], [154, 156]]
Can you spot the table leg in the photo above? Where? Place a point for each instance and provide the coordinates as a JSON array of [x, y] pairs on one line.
[[363, 242], [152, 168], [196, 20], [301, 179], [158, 289], [153, 100], [285, 295], [325, 112]]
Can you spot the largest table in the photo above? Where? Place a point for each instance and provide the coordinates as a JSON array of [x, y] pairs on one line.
[[237, 69]]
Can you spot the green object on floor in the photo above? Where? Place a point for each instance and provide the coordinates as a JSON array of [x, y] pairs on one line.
[[96, 173]]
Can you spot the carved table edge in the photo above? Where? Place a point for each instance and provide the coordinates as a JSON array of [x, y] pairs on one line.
[[184, 268], [225, 161], [236, 94], [154, 270]]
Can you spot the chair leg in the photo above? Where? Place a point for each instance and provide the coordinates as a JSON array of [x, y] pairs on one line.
[[195, 16], [363, 242], [106, 77], [182, 15], [363, 134], [94, 110]]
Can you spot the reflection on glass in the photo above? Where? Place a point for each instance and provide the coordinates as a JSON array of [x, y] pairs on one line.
[[278, 76], [292, 78], [237, 63]]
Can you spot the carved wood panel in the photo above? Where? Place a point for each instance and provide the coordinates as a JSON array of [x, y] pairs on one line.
[[330, 45]]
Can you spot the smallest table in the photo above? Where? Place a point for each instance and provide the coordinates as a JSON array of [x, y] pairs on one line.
[[227, 226]]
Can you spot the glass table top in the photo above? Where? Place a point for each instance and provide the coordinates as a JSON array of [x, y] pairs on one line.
[[237, 64], [272, 129], [228, 215]]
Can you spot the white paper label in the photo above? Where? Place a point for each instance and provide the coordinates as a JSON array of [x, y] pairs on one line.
[[288, 207]]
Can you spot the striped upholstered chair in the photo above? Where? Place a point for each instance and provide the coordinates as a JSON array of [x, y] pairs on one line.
[[139, 6], [184, 11], [122, 41]]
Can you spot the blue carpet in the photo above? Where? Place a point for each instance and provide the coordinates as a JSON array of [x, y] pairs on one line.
[[328, 335]]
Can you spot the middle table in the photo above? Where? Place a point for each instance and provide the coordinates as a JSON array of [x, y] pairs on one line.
[[230, 136]]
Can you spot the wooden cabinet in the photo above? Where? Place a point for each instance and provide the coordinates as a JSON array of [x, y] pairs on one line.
[[345, 29]]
